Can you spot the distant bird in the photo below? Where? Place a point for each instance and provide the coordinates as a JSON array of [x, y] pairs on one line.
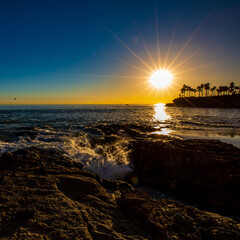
[[15, 98]]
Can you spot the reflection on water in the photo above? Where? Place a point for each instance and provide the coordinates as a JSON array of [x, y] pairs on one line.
[[164, 131], [160, 113], [43, 121], [198, 123], [160, 117], [228, 136]]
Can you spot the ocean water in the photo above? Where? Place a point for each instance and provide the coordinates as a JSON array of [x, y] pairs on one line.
[[72, 128]]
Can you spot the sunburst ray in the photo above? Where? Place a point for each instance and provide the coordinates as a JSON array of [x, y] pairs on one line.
[[195, 53], [189, 40], [146, 48], [129, 49], [113, 76], [127, 63], [157, 36], [170, 44], [198, 67]]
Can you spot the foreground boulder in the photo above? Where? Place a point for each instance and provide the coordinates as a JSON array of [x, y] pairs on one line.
[[205, 171], [44, 195], [168, 219]]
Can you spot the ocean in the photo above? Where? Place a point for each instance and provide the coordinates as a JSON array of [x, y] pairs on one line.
[[72, 128]]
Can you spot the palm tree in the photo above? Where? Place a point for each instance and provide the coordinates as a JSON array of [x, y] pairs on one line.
[[213, 89], [232, 87], [199, 90], [182, 93], [223, 89], [237, 90], [189, 91], [183, 90], [194, 90], [206, 87], [202, 86], [226, 90]]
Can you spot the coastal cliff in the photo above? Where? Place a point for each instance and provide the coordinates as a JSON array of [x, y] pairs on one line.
[[226, 101]]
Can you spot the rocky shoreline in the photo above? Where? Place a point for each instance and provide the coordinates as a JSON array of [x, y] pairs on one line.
[[45, 195], [226, 101], [205, 172]]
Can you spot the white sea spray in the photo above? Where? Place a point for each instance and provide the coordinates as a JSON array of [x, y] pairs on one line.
[[108, 160]]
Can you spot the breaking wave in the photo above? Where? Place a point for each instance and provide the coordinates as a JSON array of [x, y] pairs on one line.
[[85, 132], [109, 160]]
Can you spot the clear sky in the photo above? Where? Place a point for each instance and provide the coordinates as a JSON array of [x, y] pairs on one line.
[[78, 52]]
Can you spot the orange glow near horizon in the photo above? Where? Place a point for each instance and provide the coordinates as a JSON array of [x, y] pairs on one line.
[[146, 78]]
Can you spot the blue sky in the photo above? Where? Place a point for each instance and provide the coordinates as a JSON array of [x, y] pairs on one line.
[[59, 47]]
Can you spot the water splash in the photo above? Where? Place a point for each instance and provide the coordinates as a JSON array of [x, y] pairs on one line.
[[108, 160]]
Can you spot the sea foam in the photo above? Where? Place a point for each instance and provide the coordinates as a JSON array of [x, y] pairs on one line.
[[107, 160]]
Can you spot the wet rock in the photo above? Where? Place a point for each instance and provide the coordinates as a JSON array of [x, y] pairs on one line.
[[123, 185], [166, 219], [110, 184], [79, 184], [130, 130], [204, 171], [44, 195]]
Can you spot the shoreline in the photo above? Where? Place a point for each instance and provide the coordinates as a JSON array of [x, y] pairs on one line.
[[226, 137], [226, 101], [45, 194]]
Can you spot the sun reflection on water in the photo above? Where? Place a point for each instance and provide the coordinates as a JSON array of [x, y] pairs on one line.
[[160, 113], [160, 117]]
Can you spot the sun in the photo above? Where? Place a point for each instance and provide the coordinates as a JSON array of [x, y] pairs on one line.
[[161, 78]]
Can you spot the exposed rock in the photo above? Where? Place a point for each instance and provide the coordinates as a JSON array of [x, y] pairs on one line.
[[226, 101], [167, 219], [45, 195], [205, 171]]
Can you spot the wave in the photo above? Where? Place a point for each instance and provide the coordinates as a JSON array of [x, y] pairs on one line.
[[109, 160]]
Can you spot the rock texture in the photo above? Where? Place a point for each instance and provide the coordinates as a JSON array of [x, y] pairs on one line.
[[167, 219], [205, 171], [45, 195]]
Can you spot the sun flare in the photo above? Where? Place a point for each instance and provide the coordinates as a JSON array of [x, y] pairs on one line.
[[161, 78]]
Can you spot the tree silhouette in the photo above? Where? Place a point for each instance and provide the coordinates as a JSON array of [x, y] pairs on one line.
[[183, 89], [213, 89], [186, 91], [232, 87], [223, 90], [202, 86], [199, 90], [206, 87], [237, 89], [194, 90]]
